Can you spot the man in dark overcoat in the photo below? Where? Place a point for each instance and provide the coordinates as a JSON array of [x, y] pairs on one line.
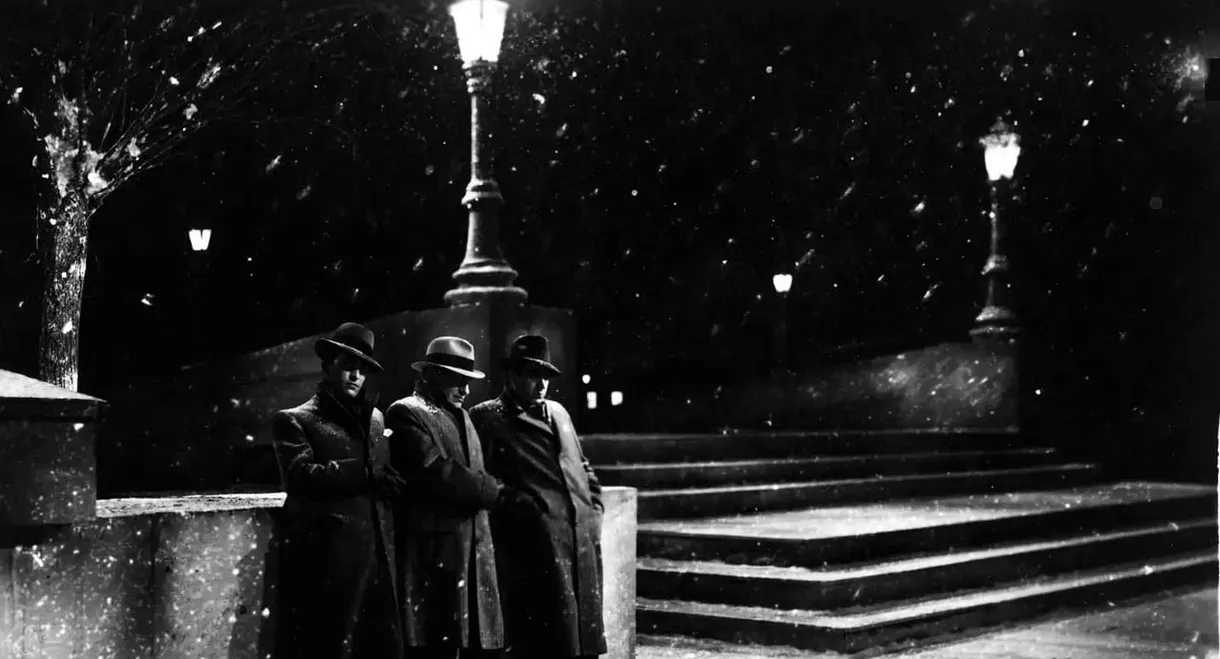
[[336, 580], [550, 566], [450, 596]]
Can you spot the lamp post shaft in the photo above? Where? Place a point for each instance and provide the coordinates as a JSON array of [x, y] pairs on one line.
[[484, 273], [997, 321], [781, 334]]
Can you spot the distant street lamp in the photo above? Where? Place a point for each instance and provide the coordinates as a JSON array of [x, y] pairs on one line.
[[997, 321], [200, 239], [198, 264], [782, 283], [484, 273]]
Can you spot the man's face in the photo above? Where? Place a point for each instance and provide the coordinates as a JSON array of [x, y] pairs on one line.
[[530, 384], [345, 375], [452, 387]]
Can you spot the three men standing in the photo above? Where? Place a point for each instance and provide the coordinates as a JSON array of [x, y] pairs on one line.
[[358, 581]]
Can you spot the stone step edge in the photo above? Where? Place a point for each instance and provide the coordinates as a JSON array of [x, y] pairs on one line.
[[832, 575], [904, 478], [903, 612], [822, 459], [792, 434]]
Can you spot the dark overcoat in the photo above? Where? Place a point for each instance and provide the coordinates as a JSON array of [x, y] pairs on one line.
[[550, 567], [333, 531], [446, 567]]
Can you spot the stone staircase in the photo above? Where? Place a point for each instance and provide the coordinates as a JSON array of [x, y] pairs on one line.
[[847, 541]]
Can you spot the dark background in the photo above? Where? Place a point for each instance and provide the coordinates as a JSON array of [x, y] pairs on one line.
[[661, 161]]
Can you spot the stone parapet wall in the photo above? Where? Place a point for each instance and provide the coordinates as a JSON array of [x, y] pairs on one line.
[[191, 576]]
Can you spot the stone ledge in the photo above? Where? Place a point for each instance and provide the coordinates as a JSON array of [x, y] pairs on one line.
[[188, 504], [194, 575]]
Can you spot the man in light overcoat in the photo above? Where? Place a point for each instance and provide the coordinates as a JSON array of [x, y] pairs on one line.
[[550, 566], [335, 585], [450, 594]]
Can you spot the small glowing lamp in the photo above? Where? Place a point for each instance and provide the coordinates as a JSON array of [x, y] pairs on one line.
[[1001, 149], [782, 282], [591, 400], [480, 28], [616, 398], [586, 378], [200, 239]]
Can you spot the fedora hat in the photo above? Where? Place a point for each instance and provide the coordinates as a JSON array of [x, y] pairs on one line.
[[530, 350], [351, 338], [452, 354]]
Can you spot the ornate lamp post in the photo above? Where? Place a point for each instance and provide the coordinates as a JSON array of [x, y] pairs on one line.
[[484, 274], [782, 283], [998, 322]]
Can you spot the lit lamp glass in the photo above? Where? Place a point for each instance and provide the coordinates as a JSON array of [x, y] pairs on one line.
[[480, 28], [1001, 150], [200, 239], [782, 283]]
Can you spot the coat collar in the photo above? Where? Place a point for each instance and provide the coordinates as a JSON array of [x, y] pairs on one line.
[[357, 414], [514, 408]]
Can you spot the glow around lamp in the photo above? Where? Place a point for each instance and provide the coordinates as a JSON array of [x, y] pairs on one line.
[[200, 239], [480, 28], [1001, 150]]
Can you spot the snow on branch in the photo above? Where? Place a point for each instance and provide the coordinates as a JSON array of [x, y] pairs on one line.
[[111, 93]]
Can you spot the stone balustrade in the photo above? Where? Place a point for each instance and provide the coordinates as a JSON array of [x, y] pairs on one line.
[[193, 576]]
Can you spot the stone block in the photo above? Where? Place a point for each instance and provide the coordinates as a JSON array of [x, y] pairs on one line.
[[47, 453], [82, 592], [209, 584], [948, 385], [618, 570]]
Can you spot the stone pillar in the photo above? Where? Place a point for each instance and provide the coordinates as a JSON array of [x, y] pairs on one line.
[[48, 472], [618, 570]]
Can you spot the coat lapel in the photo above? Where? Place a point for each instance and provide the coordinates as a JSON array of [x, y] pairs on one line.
[[517, 412]]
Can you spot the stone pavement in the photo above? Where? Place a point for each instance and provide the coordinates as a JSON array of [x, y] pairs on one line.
[[1181, 625]]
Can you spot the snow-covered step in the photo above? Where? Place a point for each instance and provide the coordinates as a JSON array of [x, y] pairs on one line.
[[850, 630], [709, 501], [882, 530], [852, 585], [611, 449], [713, 472]]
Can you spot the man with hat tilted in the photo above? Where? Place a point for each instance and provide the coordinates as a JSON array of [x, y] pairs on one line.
[[336, 581], [550, 564], [447, 571]]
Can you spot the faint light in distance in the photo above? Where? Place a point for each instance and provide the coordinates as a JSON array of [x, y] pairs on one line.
[[200, 239]]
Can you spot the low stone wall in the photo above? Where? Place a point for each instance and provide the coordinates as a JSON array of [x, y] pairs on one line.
[[188, 577]]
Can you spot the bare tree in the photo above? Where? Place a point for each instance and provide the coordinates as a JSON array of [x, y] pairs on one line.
[[110, 91]]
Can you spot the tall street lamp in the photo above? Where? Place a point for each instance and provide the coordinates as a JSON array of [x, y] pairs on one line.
[[484, 274], [998, 321], [782, 283]]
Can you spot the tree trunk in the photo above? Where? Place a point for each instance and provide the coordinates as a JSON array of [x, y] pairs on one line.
[[65, 227]]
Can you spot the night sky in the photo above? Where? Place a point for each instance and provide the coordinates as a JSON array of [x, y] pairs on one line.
[[660, 161]]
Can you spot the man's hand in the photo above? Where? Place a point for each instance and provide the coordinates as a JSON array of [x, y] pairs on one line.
[[520, 502], [388, 485]]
